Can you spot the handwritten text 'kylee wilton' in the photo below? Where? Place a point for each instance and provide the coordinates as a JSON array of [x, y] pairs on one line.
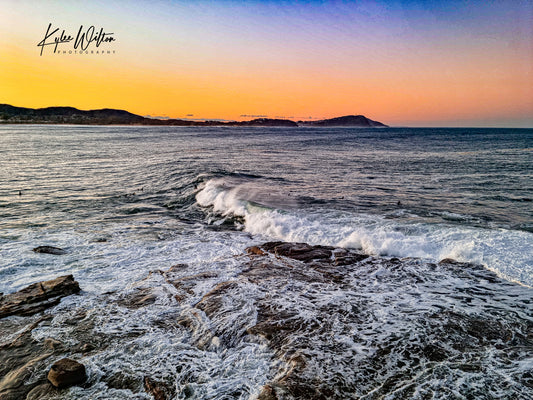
[[83, 40]]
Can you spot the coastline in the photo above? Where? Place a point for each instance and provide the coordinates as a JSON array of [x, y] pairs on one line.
[[154, 229], [294, 326], [106, 116]]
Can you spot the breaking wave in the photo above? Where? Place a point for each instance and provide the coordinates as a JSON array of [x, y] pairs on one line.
[[503, 251]]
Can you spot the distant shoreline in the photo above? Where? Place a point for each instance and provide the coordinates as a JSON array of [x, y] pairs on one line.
[[72, 116]]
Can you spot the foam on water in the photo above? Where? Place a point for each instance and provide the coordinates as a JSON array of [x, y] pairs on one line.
[[117, 242], [144, 341], [505, 251]]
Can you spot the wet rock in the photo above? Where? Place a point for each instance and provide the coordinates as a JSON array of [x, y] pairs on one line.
[[275, 325], [49, 250], [177, 268], [213, 300], [52, 344], [188, 391], [20, 357], [121, 380], [339, 324], [38, 296], [261, 269], [470, 332], [84, 348], [76, 317], [434, 352], [448, 261], [159, 390], [139, 298], [299, 251], [191, 320], [470, 368], [254, 250], [13, 386], [267, 393], [187, 283], [349, 258], [300, 328], [42, 391], [308, 254], [66, 372]]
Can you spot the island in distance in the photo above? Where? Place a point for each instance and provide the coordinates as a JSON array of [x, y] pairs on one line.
[[70, 115]]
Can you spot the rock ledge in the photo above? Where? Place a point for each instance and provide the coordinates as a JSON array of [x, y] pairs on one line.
[[38, 296]]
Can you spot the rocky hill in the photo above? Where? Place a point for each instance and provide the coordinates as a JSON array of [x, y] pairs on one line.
[[107, 116], [347, 120]]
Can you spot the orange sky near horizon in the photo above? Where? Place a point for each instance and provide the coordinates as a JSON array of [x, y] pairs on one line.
[[397, 66]]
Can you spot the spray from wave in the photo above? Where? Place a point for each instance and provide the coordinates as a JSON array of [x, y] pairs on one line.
[[262, 210]]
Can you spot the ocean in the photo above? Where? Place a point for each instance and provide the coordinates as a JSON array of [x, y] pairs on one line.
[[125, 201]]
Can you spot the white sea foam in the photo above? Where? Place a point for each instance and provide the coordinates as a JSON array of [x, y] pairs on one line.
[[225, 200], [380, 305], [507, 252]]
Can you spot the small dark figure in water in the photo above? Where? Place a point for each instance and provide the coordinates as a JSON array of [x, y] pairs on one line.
[[20, 193], [399, 203]]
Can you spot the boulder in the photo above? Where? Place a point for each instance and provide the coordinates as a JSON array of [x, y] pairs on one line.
[[49, 250], [66, 372]]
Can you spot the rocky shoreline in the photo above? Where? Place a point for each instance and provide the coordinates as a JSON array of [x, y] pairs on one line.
[[339, 324]]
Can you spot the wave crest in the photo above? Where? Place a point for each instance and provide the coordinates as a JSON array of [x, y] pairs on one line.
[[503, 251]]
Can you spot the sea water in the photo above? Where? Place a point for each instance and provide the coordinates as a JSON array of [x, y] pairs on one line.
[[124, 201]]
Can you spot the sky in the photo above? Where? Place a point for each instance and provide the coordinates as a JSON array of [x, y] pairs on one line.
[[404, 63]]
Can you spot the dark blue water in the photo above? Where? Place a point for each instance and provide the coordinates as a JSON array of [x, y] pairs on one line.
[[483, 174]]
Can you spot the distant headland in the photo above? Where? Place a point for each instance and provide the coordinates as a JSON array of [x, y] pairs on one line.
[[107, 116]]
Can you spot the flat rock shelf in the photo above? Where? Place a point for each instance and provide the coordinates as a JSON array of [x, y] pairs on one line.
[[337, 324]]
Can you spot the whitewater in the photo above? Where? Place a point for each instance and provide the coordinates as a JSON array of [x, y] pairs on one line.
[[166, 215]]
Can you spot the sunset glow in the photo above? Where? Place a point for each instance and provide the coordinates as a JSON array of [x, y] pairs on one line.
[[449, 63]]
